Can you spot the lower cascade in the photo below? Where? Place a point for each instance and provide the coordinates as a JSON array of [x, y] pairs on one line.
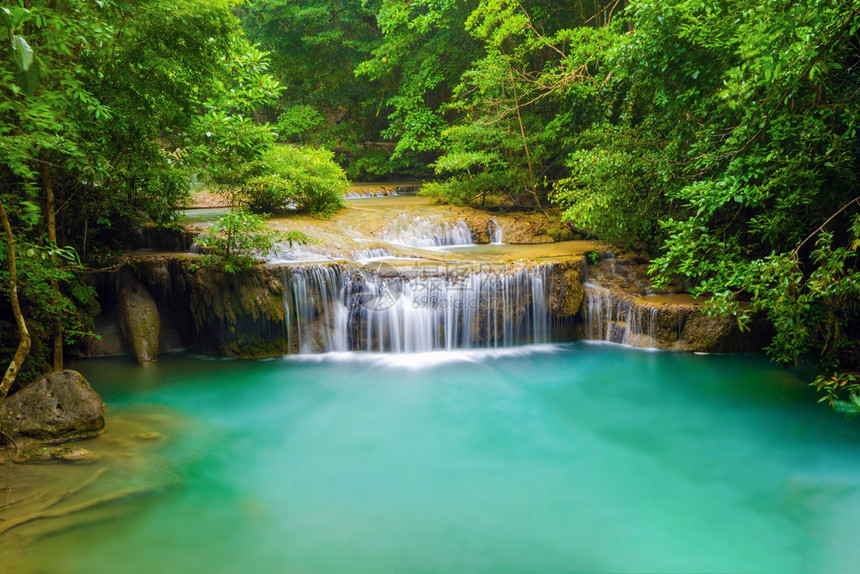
[[334, 308]]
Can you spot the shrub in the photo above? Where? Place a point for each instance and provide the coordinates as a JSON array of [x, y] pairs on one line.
[[302, 178], [463, 189], [237, 238]]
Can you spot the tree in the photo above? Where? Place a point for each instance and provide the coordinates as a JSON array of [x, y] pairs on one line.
[[735, 138], [424, 50], [513, 110], [304, 37], [23, 334], [97, 102]]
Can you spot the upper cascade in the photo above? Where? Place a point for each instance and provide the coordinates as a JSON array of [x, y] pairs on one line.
[[428, 232], [494, 230]]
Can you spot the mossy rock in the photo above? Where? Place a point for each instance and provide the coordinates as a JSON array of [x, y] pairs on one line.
[[139, 321]]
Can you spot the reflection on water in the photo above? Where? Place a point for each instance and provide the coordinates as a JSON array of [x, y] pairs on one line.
[[579, 457]]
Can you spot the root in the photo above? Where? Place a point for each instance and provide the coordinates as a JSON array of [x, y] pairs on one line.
[[63, 494], [60, 513], [47, 509]]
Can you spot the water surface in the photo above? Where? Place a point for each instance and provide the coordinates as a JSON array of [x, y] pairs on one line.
[[572, 458]]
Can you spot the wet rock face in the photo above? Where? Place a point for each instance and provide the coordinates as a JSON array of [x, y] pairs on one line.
[[620, 307], [57, 408], [566, 288], [139, 321]]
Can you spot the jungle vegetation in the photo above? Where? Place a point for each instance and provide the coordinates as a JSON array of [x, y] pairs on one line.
[[720, 136]]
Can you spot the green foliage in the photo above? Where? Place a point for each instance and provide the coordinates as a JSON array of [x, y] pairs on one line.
[[614, 190], [418, 69], [231, 141], [515, 104], [728, 142], [316, 46], [371, 165], [236, 241], [37, 266], [471, 189], [303, 178], [841, 391], [102, 104], [296, 123]]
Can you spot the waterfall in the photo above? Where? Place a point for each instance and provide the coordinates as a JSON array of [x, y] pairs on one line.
[[365, 255], [286, 252], [617, 319], [428, 232], [494, 230], [333, 308], [369, 193], [315, 315]]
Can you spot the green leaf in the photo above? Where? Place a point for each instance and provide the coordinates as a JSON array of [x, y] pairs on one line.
[[29, 80], [22, 53], [6, 17]]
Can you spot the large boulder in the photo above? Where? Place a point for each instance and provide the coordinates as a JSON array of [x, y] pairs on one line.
[[139, 320], [57, 408]]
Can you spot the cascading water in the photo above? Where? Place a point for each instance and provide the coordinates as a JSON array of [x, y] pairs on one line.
[[428, 232], [494, 230], [293, 252], [332, 308], [617, 319], [315, 314], [363, 255], [369, 193]]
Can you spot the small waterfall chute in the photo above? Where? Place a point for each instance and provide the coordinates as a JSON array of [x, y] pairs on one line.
[[428, 232], [617, 319], [494, 230]]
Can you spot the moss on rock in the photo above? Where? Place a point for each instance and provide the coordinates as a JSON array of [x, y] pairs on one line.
[[139, 321]]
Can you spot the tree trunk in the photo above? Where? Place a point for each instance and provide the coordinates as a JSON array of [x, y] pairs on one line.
[[532, 181], [52, 236], [23, 333]]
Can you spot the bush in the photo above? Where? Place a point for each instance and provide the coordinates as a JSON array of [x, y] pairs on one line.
[[302, 178], [237, 238]]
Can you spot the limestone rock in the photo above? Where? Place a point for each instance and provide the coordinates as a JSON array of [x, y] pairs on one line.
[[45, 454], [57, 408], [139, 321]]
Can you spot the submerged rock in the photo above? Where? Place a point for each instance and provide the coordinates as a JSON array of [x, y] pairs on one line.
[[57, 408], [71, 454], [139, 321], [45, 454], [148, 436]]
